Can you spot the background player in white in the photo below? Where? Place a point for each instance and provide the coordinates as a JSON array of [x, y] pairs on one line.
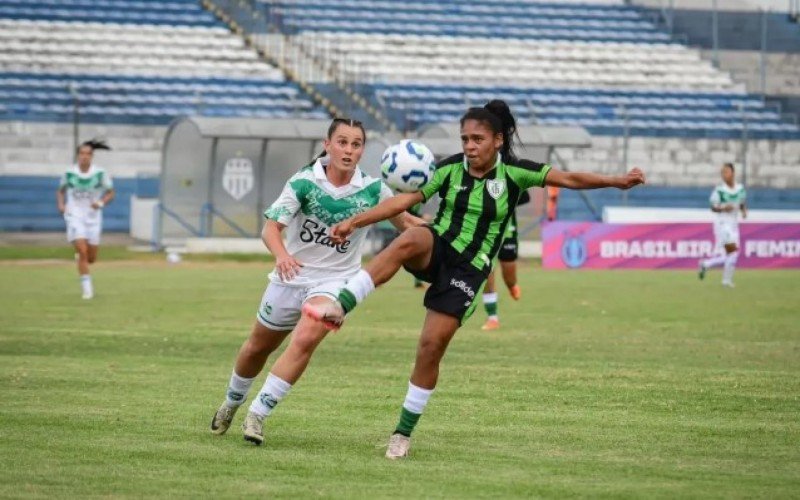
[[308, 268], [727, 201], [82, 193]]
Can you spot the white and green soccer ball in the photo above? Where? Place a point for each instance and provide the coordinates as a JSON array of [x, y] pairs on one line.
[[407, 166]]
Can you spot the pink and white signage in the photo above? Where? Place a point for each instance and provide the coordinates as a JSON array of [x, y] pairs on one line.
[[597, 245]]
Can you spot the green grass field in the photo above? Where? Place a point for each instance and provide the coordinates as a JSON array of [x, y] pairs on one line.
[[609, 384]]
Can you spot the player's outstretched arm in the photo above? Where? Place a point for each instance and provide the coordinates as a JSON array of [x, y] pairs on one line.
[[586, 180], [384, 210], [405, 221], [286, 265]]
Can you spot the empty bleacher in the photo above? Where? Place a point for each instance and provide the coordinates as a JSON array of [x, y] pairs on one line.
[[133, 61], [601, 65], [133, 66], [148, 99]]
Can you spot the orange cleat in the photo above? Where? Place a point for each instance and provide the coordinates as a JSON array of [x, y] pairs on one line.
[[491, 324], [516, 292]]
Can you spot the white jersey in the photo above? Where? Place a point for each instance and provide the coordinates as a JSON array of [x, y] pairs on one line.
[[724, 195], [309, 206], [83, 189]]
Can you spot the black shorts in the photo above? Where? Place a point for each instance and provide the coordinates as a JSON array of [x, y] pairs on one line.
[[508, 250], [510, 246], [455, 283]]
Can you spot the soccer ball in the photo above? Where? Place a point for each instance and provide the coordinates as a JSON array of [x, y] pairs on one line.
[[407, 166]]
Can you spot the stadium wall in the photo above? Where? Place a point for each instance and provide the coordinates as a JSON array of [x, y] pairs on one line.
[[692, 162]]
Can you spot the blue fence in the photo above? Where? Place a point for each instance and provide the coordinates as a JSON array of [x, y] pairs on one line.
[[28, 203]]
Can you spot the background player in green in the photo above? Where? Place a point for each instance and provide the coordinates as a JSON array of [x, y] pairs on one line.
[[479, 189], [507, 257], [727, 201], [82, 193]]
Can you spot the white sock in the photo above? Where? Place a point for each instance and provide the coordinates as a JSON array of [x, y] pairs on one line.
[[730, 267], [237, 391], [274, 390], [360, 285], [490, 304], [86, 284], [715, 261], [416, 398]]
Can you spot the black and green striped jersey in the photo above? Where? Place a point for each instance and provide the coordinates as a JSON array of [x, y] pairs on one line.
[[474, 212]]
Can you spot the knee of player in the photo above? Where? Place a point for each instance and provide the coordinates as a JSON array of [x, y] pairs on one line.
[[432, 348], [305, 340], [410, 241], [91, 259]]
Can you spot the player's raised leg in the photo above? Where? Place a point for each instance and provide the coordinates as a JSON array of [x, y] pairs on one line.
[[412, 248]]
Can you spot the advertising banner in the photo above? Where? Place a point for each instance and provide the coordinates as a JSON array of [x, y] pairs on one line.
[[597, 245]]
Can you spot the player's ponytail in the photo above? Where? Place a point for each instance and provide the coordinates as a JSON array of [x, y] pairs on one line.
[[501, 110], [95, 144], [497, 115]]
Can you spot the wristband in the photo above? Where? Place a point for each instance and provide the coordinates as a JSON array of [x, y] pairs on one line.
[[100, 203]]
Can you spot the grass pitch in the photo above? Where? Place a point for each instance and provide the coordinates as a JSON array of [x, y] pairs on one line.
[[607, 384]]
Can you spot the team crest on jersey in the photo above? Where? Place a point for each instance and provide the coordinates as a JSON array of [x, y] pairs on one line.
[[237, 177], [496, 187]]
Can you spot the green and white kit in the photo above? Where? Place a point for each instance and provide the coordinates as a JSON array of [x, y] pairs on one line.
[[309, 206], [82, 190], [726, 224]]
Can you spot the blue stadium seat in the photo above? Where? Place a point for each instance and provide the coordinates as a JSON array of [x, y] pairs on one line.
[[150, 100]]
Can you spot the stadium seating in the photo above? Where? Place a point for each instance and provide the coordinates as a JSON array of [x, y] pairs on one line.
[[148, 100], [558, 62], [173, 12], [135, 62], [606, 21], [650, 113]]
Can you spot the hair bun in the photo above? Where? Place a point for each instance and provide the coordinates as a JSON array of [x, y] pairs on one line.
[[500, 109]]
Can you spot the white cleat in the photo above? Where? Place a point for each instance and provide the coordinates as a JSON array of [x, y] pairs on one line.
[[330, 314], [222, 419], [87, 295], [398, 446], [728, 284], [253, 428]]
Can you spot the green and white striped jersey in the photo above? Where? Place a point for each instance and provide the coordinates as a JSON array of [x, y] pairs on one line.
[[474, 212], [83, 189], [309, 206]]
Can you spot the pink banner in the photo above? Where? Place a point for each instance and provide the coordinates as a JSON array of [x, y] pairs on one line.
[[596, 245]]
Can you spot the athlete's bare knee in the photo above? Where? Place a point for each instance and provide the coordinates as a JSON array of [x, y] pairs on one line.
[[431, 349], [262, 341], [411, 242], [306, 340]]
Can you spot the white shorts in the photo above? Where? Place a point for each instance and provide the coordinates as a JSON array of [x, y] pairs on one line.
[[79, 228], [280, 305], [726, 234]]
